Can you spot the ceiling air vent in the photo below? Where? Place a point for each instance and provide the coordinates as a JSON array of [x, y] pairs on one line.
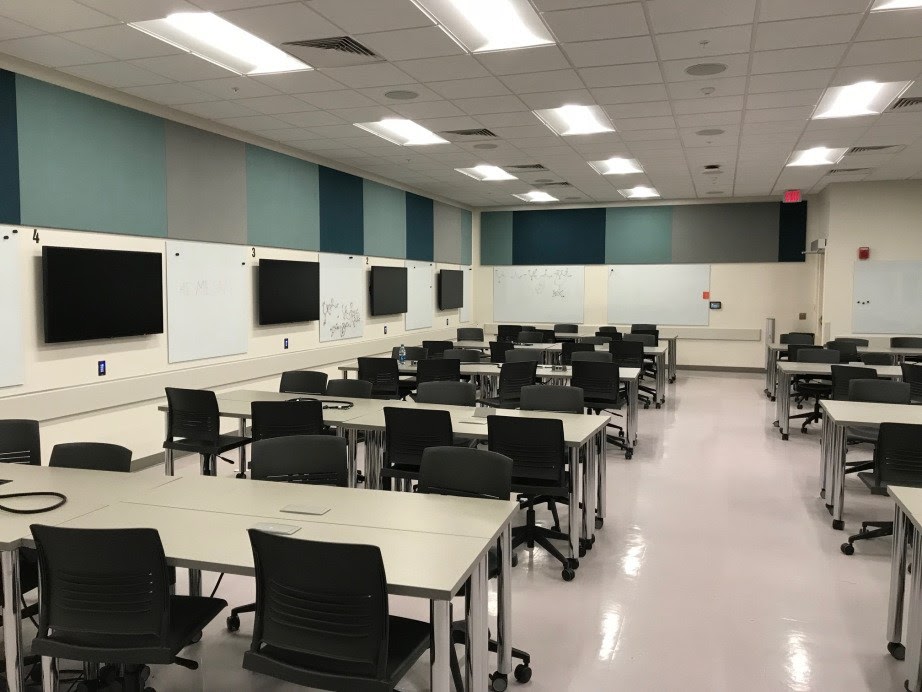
[[905, 104], [873, 149], [527, 167], [557, 184], [337, 51], [481, 132], [849, 171]]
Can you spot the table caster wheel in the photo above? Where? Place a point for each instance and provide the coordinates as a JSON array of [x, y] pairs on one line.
[[498, 682], [646, 406], [847, 548], [897, 650], [659, 406], [522, 673], [599, 523], [572, 563], [582, 551], [515, 560], [568, 574], [233, 623], [773, 398], [628, 454], [784, 436], [838, 524], [241, 475], [197, 638]]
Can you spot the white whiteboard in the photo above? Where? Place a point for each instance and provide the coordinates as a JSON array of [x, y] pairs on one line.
[[465, 313], [11, 346], [208, 300], [420, 294], [343, 287], [886, 298], [662, 294], [538, 294]]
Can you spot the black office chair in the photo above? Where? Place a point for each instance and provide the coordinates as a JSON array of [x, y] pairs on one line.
[[98, 456], [630, 354], [481, 474], [642, 328], [285, 418], [602, 391], [568, 348], [897, 461], [872, 358], [530, 337], [437, 348], [539, 475], [20, 442], [413, 353], [852, 340], [507, 332], [194, 426], [550, 397], [610, 336], [470, 334], [550, 336], [842, 376], [912, 375], [136, 623], [438, 370], [566, 328], [465, 355], [878, 392], [499, 349], [383, 375], [906, 342], [645, 332], [802, 338], [596, 340], [512, 377], [328, 626], [848, 351], [408, 432], [303, 382], [592, 356], [517, 355], [351, 389], [607, 329], [447, 393], [814, 388], [305, 459]]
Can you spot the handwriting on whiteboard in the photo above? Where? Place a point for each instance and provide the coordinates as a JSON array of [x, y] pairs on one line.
[[204, 288], [542, 281], [338, 318]]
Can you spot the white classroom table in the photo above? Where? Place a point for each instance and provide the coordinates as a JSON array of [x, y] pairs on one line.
[[907, 529], [837, 416], [786, 372]]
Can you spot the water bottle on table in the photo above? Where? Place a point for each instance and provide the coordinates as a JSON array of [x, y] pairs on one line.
[[402, 355]]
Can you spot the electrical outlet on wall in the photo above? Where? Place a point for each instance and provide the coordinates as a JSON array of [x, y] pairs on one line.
[[101, 368], [802, 316], [286, 343]]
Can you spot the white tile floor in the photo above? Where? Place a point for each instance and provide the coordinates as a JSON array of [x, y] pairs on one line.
[[717, 569]]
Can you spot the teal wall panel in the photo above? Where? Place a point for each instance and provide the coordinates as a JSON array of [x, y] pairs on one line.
[[638, 235], [420, 228], [496, 237], [88, 164], [385, 214], [9, 150], [283, 200], [341, 217], [559, 236]]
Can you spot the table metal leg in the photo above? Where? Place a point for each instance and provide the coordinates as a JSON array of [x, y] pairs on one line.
[[660, 361], [440, 651], [373, 459], [898, 557], [242, 456], [914, 630], [825, 443], [603, 478], [49, 674], [630, 432], [839, 446], [773, 357], [784, 405], [195, 582], [573, 513], [504, 604], [477, 639], [168, 460], [352, 446], [12, 623], [673, 347]]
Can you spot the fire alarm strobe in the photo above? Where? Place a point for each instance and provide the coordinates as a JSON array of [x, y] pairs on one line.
[[864, 253]]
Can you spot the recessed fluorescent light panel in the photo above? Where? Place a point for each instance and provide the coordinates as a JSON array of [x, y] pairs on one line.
[[616, 165], [536, 196], [575, 120], [218, 41], [862, 98], [881, 5], [401, 131], [486, 173], [481, 26], [639, 192], [817, 156]]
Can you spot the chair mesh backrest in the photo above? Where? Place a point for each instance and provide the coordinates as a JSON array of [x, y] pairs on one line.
[[879, 391], [514, 376], [470, 334], [325, 602], [595, 340], [517, 355], [592, 356], [796, 338], [507, 332], [437, 348], [848, 352], [447, 393], [851, 340], [842, 375], [498, 350], [308, 459], [193, 414], [530, 338], [794, 350], [382, 373], [906, 341], [642, 327], [898, 455], [438, 370], [284, 418], [107, 588], [98, 456], [607, 330], [627, 354], [552, 397], [649, 332], [535, 445], [409, 431], [465, 472], [351, 389], [599, 381], [912, 375], [872, 358], [465, 355], [609, 336], [818, 355], [643, 337], [568, 348], [566, 328], [413, 352], [303, 382], [20, 442]]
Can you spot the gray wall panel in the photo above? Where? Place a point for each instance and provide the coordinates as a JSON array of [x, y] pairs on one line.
[[448, 222], [206, 186], [725, 232]]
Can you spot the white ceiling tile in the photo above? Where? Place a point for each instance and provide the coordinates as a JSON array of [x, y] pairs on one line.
[[587, 24], [807, 32], [491, 104], [657, 123], [274, 105], [411, 44], [428, 109], [492, 120], [540, 58], [292, 21], [783, 99], [363, 76], [765, 115], [536, 129], [221, 5], [617, 51], [719, 41], [774, 126], [52, 51], [336, 131], [10, 30], [795, 59], [558, 80], [311, 119], [661, 137], [891, 72], [290, 134], [650, 109], [786, 81], [256, 123], [65, 15], [183, 67], [343, 98], [630, 94], [139, 10], [365, 16], [440, 69], [709, 105], [622, 75], [709, 119], [170, 94], [873, 52], [731, 86], [737, 66], [888, 25], [364, 114], [469, 88], [304, 82], [116, 74], [379, 94], [685, 15], [121, 41], [216, 109], [234, 87], [555, 99]]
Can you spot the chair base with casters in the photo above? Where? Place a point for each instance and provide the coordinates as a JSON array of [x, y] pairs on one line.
[[869, 529], [531, 533], [498, 683]]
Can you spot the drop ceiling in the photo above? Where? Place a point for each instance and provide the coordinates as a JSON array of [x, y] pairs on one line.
[[628, 57]]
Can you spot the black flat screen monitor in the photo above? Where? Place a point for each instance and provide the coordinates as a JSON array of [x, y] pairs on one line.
[[288, 291], [100, 294], [388, 290], [451, 289]]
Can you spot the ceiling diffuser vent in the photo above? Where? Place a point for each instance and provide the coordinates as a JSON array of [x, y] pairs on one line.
[[557, 184], [481, 132], [527, 167], [849, 171], [337, 51], [873, 149], [913, 103]]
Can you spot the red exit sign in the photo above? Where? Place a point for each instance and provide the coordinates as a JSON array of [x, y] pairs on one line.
[[791, 196]]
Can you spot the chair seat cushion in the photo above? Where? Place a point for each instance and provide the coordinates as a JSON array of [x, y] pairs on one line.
[[189, 615], [223, 444]]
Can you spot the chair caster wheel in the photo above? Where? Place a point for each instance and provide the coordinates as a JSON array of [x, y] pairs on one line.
[[197, 638], [568, 574], [233, 623], [628, 455], [799, 407], [599, 523], [498, 682], [646, 406], [659, 406], [582, 551], [522, 673], [897, 650], [847, 548], [784, 436], [144, 674], [572, 563], [241, 475]]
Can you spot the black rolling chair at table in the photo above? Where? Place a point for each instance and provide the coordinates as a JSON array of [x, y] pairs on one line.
[[98, 456], [285, 418], [383, 375], [852, 340], [137, 623], [897, 461], [602, 391], [597, 340], [512, 377], [607, 329], [630, 354], [907, 342], [592, 356], [873, 358], [912, 375], [447, 393], [438, 370], [568, 348], [20, 442], [437, 348], [498, 350], [810, 388], [481, 474], [194, 426], [351, 389], [801, 338], [842, 376], [408, 432], [848, 351], [413, 353], [470, 334], [562, 329], [303, 382], [530, 337], [343, 636], [465, 355], [306, 459], [517, 355], [507, 332], [642, 328]]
